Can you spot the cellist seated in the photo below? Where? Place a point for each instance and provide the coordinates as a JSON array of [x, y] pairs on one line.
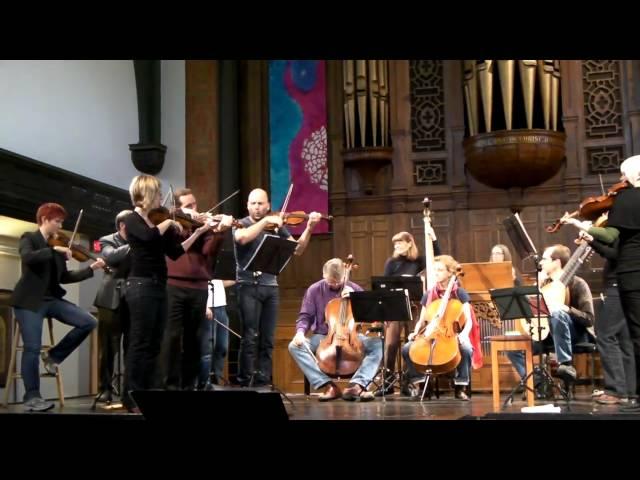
[[468, 338], [312, 319]]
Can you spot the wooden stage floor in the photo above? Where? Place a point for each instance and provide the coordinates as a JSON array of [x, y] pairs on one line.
[[395, 408]]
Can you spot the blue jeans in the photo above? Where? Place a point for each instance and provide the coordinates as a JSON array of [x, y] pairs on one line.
[[462, 371], [31, 329], [317, 378], [564, 333], [215, 344]]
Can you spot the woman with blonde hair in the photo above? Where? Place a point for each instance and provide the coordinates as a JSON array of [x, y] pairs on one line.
[[146, 286], [444, 267]]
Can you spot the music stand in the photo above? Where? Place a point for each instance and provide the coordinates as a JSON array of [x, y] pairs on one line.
[[381, 306], [414, 286], [271, 256], [225, 267], [515, 303], [525, 248]]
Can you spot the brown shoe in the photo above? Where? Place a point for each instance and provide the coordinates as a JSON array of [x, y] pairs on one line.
[[331, 393], [460, 393], [606, 399], [356, 392]]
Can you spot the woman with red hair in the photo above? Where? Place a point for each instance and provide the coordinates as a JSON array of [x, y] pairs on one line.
[[38, 294]]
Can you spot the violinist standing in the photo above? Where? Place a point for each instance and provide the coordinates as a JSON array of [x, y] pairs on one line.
[[258, 296], [312, 318], [146, 286], [625, 218], [444, 267], [612, 331], [187, 284], [38, 294], [113, 311]]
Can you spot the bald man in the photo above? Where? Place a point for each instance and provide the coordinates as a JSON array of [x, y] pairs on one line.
[[258, 295]]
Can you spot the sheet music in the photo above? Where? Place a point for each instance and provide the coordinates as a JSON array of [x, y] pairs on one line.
[[264, 238]]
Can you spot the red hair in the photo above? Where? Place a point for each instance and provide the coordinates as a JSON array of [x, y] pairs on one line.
[[50, 211]]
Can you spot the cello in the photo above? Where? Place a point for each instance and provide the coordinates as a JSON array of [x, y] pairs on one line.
[[341, 352], [435, 348]]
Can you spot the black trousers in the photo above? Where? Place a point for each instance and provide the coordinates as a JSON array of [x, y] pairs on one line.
[[112, 327], [615, 346], [258, 305], [181, 351], [147, 299], [630, 300]]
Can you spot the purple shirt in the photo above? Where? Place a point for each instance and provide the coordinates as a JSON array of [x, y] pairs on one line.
[[313, 304]]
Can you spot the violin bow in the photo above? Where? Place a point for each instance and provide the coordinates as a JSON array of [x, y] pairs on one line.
[[601, 184], [75, 230], [166, 197], [286, 200], [223, 201], [173, 203]]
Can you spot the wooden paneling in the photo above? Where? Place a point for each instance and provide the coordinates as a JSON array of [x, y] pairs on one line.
[[202, 131]]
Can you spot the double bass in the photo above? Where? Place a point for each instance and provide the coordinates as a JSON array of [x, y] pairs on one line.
[[435, 347], [341, 353]]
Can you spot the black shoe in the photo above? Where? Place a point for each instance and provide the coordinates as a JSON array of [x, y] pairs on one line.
[[632, 406], [567, 373], [105, 396]]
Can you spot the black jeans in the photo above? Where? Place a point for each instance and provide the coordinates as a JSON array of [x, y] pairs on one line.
[[258, 306], [182, 345], [615, 347], [113, 326], [147, 299]]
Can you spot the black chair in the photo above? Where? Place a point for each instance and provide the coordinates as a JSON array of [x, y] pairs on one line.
[[590, 349]]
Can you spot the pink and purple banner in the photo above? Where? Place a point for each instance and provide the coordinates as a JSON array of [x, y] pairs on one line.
[[298, 137]]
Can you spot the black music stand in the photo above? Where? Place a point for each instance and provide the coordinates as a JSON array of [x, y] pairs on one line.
[[381, 306], [517, 303], [271, 256], [225, 267], [414, 286]]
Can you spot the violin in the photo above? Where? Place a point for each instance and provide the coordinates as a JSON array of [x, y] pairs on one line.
[[341, 352], [212, 220], [160, 214], [591, 208], [78, 252], [293, 218]]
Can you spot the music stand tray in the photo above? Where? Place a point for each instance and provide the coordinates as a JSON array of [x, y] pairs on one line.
[[272, 255], [518, 302], [225, 267], [381, 306], [410, 283]]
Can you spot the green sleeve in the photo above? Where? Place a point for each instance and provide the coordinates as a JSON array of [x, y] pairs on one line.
[[607, 235]]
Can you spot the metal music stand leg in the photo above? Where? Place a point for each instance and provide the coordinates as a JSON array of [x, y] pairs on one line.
[[428, 372]]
